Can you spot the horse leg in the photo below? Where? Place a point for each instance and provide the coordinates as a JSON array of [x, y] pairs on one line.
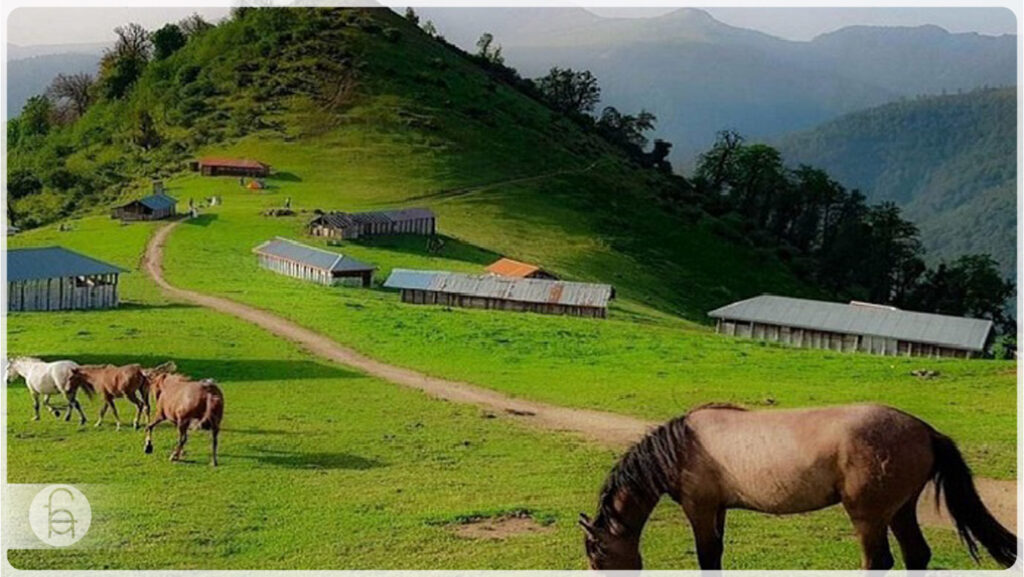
[[874, 544], [103, 411], [113, 409], [708, 525], [53, 410], [182, 437], [35, 404], [916, 553], [138, 409], [213, 443], [148, 447]]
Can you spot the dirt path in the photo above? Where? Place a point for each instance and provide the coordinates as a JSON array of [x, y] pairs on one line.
[[609, 429]]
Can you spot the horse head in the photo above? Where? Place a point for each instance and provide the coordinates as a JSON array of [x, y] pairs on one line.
[[155, 376], [609, 550], [16, 367]]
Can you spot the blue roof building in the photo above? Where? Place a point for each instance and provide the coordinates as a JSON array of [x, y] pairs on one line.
[[55, 278]]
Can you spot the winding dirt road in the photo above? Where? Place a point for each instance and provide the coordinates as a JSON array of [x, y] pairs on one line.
[[609, 429]]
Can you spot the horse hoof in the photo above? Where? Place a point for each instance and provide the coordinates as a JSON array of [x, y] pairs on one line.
[[35, 418], [148, 449], [56, 414], [98, 423]]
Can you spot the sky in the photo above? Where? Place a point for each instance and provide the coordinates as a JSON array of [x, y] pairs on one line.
[[41, 26]]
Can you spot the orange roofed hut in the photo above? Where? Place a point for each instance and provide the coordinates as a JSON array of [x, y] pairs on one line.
[[515, 269]]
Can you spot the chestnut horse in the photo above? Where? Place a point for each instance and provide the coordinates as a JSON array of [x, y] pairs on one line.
[[115, 382], [187, 404], [875, 460]]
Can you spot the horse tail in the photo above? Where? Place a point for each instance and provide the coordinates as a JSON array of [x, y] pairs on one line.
[[974, 522], [214, 407], [81, 382]]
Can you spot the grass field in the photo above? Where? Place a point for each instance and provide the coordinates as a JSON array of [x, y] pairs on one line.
[[325, 468], [641, 361]]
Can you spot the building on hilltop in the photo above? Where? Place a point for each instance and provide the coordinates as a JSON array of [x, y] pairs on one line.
[[54, 278], [220, 166], [857, 326], [152, 207], [502, 293], [305, 262], [348, 226], [515, 269]]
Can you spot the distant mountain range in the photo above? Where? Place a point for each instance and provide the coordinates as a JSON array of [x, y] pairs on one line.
[[699, 75], [949, 161], [30, 69]]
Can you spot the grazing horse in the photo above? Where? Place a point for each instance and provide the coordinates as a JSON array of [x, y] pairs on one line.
[[187, 404], [875, 460], [115, 382], [45, 379]]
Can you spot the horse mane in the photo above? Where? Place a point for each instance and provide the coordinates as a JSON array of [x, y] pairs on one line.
[[649, 468]]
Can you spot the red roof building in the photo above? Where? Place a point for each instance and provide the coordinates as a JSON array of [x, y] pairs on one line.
[[515, 269]]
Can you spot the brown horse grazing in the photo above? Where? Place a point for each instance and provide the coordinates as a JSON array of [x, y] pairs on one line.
[[113, 383], [187, 404], [875, 460]]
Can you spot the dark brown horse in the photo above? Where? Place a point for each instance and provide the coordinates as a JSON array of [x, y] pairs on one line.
[[113, 383], [187, 404], [874, 460]]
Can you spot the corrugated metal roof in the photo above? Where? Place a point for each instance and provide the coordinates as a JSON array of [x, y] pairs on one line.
[[346, 219], [506, 288], [230, 162], [859, 319], [513, 268], [53, 262], [311, 256], [158, 201]]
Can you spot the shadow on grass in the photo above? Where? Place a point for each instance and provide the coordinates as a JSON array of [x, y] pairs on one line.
[[285, 177], [202, 219], [449, 248], [223, 369], [323, 460]]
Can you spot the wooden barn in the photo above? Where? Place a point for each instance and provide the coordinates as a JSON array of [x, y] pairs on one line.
[[502, 293], [152, 207], [344, 225], [54, 278], [220, 166], [515, 269], [863, 327], [305, 262]]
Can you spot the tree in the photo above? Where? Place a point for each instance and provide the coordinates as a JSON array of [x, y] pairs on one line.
[[970, 285], [22, 183], [486, 50], [36, 116], [122, 64], [411, 16], [73, 91], [145, 135], [429, 29], [626, 129], [167, 41], [569, 91], [193, 25], [715, 164]]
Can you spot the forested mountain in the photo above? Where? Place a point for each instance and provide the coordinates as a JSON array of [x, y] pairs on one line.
[[700, 76], [948, 161], [29, 76]]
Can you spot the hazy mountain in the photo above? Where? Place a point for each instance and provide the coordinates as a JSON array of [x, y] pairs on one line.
[[30, 69], [699, 75], [949, 161]]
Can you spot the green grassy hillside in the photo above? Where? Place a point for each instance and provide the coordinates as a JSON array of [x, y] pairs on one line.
[[371, 112], [949, 161]]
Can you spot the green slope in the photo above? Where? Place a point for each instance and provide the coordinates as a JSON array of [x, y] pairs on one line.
[[371, 112], [949, 161]]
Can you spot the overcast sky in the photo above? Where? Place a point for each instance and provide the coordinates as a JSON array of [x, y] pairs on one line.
[[35, 26]]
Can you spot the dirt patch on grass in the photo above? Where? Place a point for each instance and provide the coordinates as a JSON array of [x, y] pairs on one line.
[[499, 528]]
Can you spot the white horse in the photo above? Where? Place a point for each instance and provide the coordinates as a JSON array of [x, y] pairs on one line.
[[45, 379]]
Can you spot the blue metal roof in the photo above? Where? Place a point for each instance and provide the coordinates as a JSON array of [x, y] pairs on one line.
[[861, 319], [53, 262], [311, 256], [158, 201], [505, 288]]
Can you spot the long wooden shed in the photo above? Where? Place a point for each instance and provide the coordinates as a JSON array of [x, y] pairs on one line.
[[54, 278], [502, 293], [152, 207], [355, 225], [863, 327], [305, 262], [222, 166]]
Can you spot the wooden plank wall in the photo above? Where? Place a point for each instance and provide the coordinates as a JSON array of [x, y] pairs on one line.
[[806, 338], [67, 293], [437, 298]]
